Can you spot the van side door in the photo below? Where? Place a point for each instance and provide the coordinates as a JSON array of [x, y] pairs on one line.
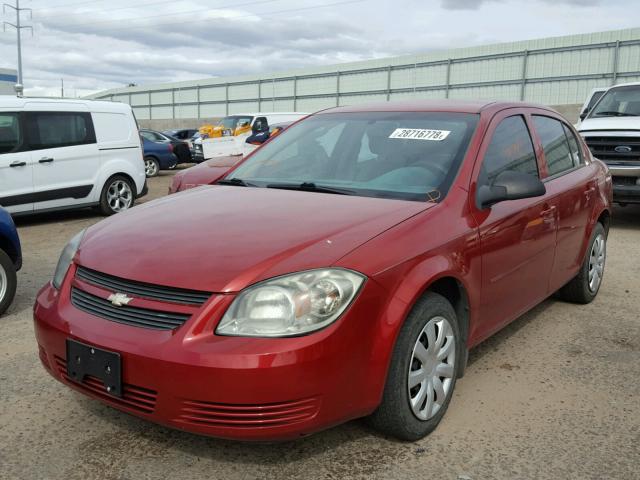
[[16, 168], [66, 160]]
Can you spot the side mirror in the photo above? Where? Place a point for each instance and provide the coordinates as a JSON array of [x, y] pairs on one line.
[[584, 114], [510, 185]]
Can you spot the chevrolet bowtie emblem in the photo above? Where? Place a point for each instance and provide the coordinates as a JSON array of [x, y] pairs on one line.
[[119, 299]]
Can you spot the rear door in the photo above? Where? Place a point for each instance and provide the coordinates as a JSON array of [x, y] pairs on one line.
[[16, 169], [66, 159], [571, 187]]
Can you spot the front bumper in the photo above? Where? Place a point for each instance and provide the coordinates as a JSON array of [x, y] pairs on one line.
[[229, 387]]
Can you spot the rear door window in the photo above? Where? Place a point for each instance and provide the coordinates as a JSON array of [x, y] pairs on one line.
[[59, 129], [10, 133], [555, 144]]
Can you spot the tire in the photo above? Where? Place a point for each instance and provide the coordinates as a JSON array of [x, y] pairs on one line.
[[582, 288], [395, 416], [151, 167], [118, 195], [8, 281]]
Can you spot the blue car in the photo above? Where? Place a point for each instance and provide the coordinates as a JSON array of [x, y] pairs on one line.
[[158, 153], [10, 260]]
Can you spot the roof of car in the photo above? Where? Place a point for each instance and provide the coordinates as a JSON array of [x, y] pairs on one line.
[[13, 101], [417, 105]]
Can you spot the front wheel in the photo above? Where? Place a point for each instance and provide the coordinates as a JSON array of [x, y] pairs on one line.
[[423, 371], [584, 287], [117, 195], [8, 282], [151, 167]]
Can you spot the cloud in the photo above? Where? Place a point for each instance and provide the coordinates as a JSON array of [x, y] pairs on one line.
[[476, 4], [95, 47]]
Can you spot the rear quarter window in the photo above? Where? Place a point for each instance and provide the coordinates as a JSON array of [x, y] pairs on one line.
[[112, 127]]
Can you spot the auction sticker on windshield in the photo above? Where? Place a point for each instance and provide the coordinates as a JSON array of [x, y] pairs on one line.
[[420, 134]]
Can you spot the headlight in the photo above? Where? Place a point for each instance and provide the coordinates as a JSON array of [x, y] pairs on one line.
[[65, 259], [292, 304]]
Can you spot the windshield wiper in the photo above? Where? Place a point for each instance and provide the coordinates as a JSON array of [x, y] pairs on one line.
[[311, 187], [615, 114], [236, 182]]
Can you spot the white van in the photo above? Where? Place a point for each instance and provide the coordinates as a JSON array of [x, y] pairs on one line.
[[231, 132], [59, 154]]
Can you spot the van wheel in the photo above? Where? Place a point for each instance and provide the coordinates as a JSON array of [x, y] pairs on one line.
[[151, 167], [423, 371], [584, 287], [117, 195], [8, 282]]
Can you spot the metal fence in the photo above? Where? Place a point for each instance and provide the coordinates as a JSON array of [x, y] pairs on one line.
[[550, 75]]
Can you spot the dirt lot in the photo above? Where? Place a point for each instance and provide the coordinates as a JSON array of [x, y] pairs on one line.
[[555, 395]]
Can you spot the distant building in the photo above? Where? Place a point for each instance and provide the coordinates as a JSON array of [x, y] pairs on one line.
[[553, 71], [8, 79]]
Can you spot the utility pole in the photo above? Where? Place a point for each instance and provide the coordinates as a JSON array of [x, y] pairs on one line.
[[19, 86]]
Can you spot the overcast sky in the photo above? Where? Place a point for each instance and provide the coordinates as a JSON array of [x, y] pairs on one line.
[[100, 44]]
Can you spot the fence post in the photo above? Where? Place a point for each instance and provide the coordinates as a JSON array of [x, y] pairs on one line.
[[448, 85], [525, 57], [616, 60]]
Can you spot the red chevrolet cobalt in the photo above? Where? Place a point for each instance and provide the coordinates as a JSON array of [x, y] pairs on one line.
[[343, 270]]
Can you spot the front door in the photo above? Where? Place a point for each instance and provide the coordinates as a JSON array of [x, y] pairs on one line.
[[518, 236], [16, 170]]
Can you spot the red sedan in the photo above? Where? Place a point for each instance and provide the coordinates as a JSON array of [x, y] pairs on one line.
[[205, 173], [342, 271]]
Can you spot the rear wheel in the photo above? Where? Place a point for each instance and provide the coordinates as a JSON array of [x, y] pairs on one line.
[[8, 281], [585, 285], [151, 167], [117, 195], [423, 369]]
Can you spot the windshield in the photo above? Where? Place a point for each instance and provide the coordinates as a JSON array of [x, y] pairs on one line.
[[403, 155], [234, 121], [619, 102]]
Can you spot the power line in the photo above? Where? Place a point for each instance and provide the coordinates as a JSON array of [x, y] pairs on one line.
[[109, 9], [172, 14], [231, 17]]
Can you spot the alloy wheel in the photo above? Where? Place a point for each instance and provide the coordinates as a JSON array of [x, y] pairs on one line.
[[119, 196], [432, 368], [596, 262], [4, 283], [150, 168]]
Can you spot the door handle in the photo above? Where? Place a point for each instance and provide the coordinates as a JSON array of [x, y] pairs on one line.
[[18, 164], [45, 160], [548, 211]]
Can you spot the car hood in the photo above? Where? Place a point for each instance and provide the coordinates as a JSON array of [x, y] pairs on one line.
[[609, 123], [209, 171], [223, 238]]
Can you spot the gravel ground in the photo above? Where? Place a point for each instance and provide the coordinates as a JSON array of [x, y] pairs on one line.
[[554, 395]]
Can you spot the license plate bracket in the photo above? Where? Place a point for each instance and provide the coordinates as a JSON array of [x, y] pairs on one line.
[[83, 360]]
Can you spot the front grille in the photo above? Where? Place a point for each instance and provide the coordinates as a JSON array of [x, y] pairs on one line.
[[247, 416], [604, 148], [137, 317], [144, 290], [626, 181], [136, 398]]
